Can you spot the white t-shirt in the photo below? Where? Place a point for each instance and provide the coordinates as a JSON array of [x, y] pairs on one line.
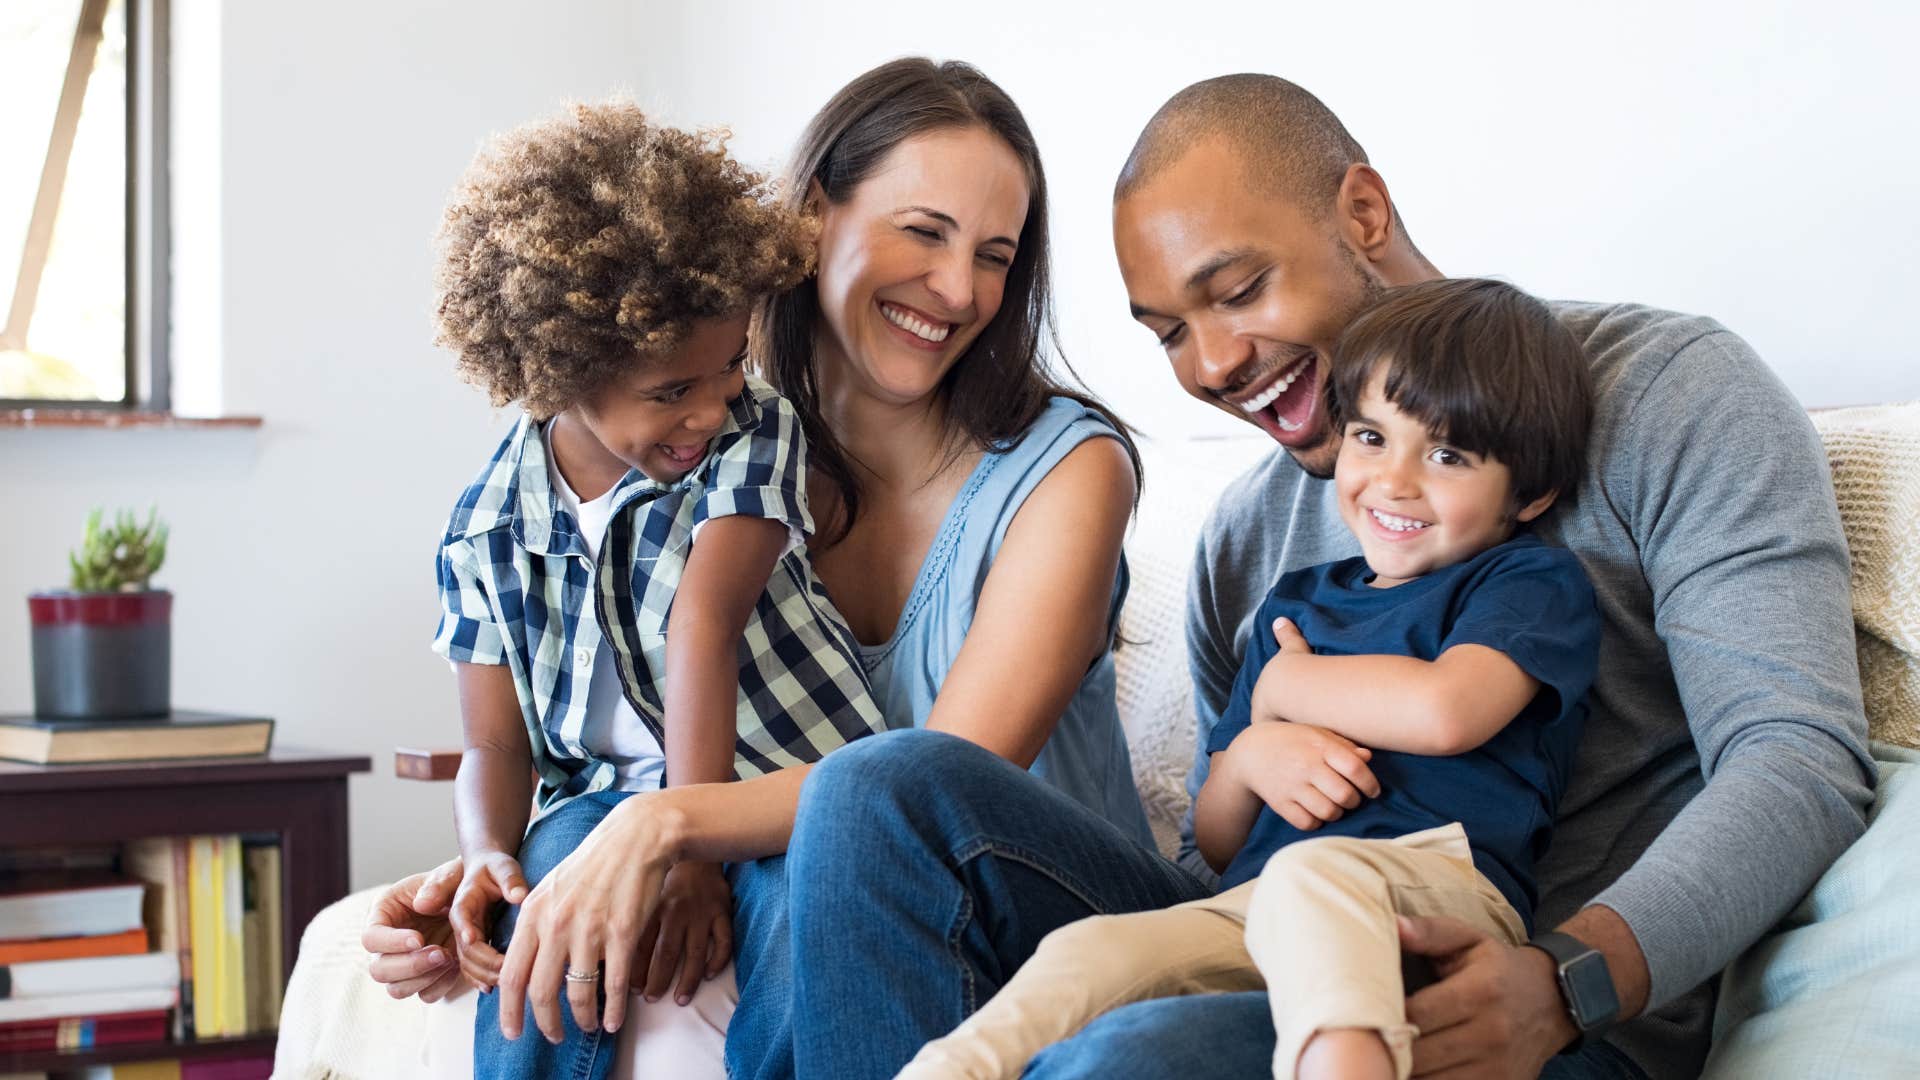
[[613, 732]]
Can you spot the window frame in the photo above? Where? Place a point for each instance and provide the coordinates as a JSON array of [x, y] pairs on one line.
[[147, 243]]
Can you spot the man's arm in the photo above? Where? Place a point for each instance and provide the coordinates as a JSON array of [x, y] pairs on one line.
[[1732, 508], [1213, 664]]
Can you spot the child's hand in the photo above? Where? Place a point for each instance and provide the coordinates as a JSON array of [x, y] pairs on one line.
[[1289, 638], [1270, 691], [691, 933], [1307, 775], [487, 880]]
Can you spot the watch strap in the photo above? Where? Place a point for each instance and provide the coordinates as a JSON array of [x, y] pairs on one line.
[[1569, 952]]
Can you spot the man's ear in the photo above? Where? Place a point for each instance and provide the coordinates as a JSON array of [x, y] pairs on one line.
[[1537, 507], [816, 199], [1365, 212]]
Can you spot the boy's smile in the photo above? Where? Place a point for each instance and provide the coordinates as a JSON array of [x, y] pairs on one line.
[[661, 418], [1415, 503]]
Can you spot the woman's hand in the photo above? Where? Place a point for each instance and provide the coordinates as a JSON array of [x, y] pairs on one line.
[[408, 933], [691, 931], [1307, 775], [585, 917], [490, 878]]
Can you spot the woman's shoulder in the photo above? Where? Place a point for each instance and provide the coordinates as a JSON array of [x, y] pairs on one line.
[[1064, 420], [1070, 459]]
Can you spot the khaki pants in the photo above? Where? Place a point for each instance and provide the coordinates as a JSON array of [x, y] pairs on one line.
[[1316, 930]]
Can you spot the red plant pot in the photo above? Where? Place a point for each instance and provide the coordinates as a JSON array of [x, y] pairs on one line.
[[99, 655]]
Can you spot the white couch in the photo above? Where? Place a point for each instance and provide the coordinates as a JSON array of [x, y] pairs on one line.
[[1820, 996]]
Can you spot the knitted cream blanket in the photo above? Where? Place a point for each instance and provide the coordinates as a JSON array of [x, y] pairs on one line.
[[1875, 453]]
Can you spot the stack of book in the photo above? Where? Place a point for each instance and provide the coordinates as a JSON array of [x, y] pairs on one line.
[[76, 970], [74, 966], [39, 740]]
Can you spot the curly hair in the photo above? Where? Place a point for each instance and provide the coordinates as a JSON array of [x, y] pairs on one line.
[[579, 246]]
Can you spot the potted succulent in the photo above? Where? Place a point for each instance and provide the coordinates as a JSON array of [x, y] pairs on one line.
[[103, 647]]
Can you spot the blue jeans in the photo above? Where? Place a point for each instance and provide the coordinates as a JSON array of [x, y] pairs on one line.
[[760, 934], [922, 872], [581, 1055], [1227, 1035]]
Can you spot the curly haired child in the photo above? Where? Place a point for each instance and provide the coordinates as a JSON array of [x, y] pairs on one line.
[[627, 601]]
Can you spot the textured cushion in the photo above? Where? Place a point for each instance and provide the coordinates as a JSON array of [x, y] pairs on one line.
[[337, 1023], [1831, 991], [1154, 689], [1875, 453]]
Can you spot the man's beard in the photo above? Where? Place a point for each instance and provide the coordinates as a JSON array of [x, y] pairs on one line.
[[1317, 460]]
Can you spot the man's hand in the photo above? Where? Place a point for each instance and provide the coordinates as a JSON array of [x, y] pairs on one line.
[[1307, 775], [691, 933], [489, 879], [408, 933], [1496, 1010]]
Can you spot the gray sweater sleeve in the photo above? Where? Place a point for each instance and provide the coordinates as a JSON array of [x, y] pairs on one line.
[[1726, 491], [1213, 665]]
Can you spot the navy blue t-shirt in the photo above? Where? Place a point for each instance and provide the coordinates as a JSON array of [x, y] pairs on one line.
[[1523, 598]]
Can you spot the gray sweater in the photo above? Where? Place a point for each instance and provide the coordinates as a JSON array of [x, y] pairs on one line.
[[1724, 763]]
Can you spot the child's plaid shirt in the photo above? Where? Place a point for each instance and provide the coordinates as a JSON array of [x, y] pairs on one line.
[[516, 581]]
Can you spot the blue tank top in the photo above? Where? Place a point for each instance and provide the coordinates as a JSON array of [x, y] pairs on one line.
[[1086, 757]]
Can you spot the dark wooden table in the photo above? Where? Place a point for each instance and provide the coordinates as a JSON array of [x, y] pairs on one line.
[[299, 794]]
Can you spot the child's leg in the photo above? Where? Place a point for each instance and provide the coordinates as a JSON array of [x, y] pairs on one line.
[[1320, 927], [1084, 969], [581, 1054]]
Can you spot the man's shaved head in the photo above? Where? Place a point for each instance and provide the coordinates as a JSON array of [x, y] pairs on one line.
[[1292, 144]]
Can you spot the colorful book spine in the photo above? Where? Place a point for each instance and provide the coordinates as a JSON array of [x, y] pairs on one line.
[[83, 1032], [183, 1028], [233, 953], [203, 900], [74, 948]]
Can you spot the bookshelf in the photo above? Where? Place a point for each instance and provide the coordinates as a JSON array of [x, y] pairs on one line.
[[300, 795]]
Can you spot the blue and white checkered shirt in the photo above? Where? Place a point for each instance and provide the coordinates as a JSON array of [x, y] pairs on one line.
[[515, 580]]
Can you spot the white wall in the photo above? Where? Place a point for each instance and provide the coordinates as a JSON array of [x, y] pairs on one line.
[[1750, 161], [1754, 161]]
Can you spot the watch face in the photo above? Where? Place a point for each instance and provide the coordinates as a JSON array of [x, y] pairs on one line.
[[1589, 989]]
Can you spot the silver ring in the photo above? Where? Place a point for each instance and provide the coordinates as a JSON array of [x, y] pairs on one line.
[[582, 976]]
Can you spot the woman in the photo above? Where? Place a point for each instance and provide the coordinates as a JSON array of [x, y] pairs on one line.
[[971, 515]]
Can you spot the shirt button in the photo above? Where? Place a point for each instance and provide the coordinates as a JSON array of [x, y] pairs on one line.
[[582, 659]]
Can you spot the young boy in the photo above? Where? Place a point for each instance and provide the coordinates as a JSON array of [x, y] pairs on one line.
[[627, 601], [1416, 709]]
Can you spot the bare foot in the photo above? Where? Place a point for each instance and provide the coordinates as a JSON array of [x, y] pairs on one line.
[[1346, 1054]]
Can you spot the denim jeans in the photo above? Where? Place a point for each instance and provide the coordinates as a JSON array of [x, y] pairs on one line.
[[760, 935], [580, 1055], [922, 872], [1227, 1035]]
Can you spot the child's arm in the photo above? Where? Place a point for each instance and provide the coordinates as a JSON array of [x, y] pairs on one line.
[[491, 799], [1306, 774], [727, 571], [1441, 707], [726, 574]]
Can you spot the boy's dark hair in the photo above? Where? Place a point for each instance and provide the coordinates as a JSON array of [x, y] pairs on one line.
[[1486, 367], [578, 247]]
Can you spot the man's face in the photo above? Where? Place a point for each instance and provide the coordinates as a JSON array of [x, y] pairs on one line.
[[1246, 292]]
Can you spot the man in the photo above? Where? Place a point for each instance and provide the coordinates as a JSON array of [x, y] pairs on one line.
[[1725, 762]]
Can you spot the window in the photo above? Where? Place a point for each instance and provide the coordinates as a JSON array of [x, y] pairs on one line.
[[82, 203]]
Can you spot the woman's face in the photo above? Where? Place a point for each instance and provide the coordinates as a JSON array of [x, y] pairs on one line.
[[914, 264]]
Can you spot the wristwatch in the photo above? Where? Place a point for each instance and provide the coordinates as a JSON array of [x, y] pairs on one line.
[[1586, 986]]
